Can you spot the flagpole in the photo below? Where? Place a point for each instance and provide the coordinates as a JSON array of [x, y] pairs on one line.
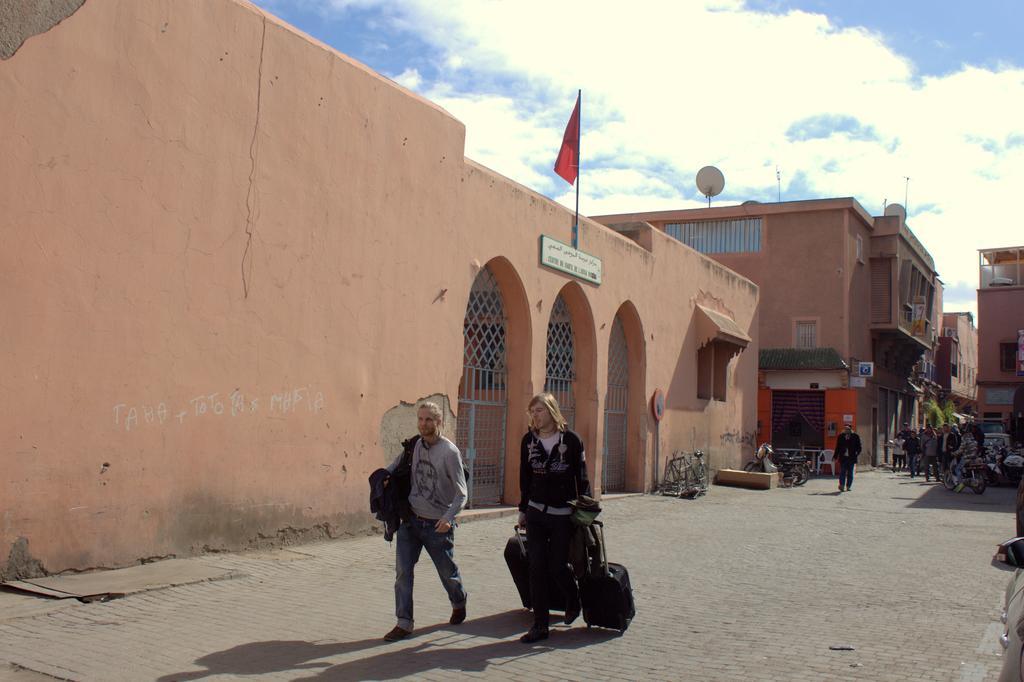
[[579, 138]]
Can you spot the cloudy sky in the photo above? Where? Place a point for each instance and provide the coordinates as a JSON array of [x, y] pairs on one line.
[[844, 97]]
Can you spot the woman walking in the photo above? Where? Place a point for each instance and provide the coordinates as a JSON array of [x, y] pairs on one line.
[[552, 473]]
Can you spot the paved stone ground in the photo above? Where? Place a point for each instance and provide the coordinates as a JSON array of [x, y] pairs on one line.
[[738, 585]]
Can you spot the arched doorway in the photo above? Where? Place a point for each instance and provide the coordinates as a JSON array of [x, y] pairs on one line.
[[616, 409], [483, 391], [560, 372]]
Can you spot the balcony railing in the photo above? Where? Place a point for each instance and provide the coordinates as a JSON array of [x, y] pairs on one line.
[[1002, 268]]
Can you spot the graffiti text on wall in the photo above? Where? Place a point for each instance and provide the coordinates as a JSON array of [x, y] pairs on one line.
[[730, 437], [233, 404]]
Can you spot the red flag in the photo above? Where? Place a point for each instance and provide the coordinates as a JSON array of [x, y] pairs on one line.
[[567, 165]]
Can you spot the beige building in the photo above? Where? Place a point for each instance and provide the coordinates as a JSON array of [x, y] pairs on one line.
[[1001, 338], [234, 259], [839, 287], [957, 362]]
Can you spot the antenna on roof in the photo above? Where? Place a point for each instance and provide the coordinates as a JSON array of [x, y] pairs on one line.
[[710, 182], [778, 179], [906, 191]]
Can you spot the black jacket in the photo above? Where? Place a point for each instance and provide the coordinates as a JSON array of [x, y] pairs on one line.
[[948, 443], [848, 446], [912, 445], [390, 503], [554, 478]]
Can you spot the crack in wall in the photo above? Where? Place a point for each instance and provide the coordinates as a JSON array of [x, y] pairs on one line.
[[250, 195]]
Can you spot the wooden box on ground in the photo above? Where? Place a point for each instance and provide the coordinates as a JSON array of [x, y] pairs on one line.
[[747, 479]]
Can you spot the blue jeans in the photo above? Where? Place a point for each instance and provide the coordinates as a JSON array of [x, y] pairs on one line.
[[413, 536], [846, 467]]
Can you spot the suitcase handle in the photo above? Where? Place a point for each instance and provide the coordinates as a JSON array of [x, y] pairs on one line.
[[519, 537], [604, 548]]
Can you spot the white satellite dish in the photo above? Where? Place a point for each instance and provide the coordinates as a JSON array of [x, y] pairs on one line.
[[898, 211], [710, 182]]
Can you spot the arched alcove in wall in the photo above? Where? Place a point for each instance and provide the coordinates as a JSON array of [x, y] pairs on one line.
[[625, 416], [571, 362], [495, 379]]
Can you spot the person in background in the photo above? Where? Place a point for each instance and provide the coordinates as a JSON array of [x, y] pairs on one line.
[[930, 453], [949, 443], [912, 446], [899, 456]]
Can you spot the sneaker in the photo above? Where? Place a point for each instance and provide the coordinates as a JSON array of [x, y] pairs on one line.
[[841, 488], [535, 634], [458, 615], [396, 634]]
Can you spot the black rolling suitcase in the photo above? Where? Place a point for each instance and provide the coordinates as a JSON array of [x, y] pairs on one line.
[[519, 566], [606, 593]]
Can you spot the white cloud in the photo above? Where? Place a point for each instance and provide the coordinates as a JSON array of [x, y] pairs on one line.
[[670, 87], [410, 78]]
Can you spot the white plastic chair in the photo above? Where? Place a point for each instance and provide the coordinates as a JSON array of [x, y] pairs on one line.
[[825, 460]]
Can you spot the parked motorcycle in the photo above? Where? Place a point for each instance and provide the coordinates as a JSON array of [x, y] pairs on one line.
[[1003, 467], [794, 466], [1013, 466], [974, 475]]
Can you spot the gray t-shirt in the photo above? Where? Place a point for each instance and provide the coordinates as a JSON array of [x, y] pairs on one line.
[[438, 484]]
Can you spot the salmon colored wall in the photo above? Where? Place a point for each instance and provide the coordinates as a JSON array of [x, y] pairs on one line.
[[229, 252]]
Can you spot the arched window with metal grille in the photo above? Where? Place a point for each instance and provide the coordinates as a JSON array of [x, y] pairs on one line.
[[483, 395], [616, 403], [561, 360]]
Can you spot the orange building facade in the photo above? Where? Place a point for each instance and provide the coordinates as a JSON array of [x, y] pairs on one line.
[[234, 260]]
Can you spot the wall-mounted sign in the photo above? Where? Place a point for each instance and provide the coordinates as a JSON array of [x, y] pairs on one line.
[[917, 325], [847, 418], [559, 256], [1000, 395], [865, 369], [658, 405], [858, 382]]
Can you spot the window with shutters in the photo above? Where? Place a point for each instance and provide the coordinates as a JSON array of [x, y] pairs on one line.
[[1008, 357], [740, 235], [881, 290], [806, 334]]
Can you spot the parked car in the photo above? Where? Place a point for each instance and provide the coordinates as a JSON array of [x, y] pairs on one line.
[[995, 440], [1011, 553]]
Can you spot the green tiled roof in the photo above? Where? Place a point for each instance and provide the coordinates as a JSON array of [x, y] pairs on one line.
[[800, 358]]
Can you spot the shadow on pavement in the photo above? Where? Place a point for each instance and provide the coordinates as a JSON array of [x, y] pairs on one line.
[[392, 659], [435, 656], [937, 497]]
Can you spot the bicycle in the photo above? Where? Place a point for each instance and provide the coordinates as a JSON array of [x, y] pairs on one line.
[[686, 476]]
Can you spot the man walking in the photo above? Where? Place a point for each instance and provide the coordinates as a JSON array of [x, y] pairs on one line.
[[930, 448], [912, 446], [437, 494], [847, 450], [949, 442]]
